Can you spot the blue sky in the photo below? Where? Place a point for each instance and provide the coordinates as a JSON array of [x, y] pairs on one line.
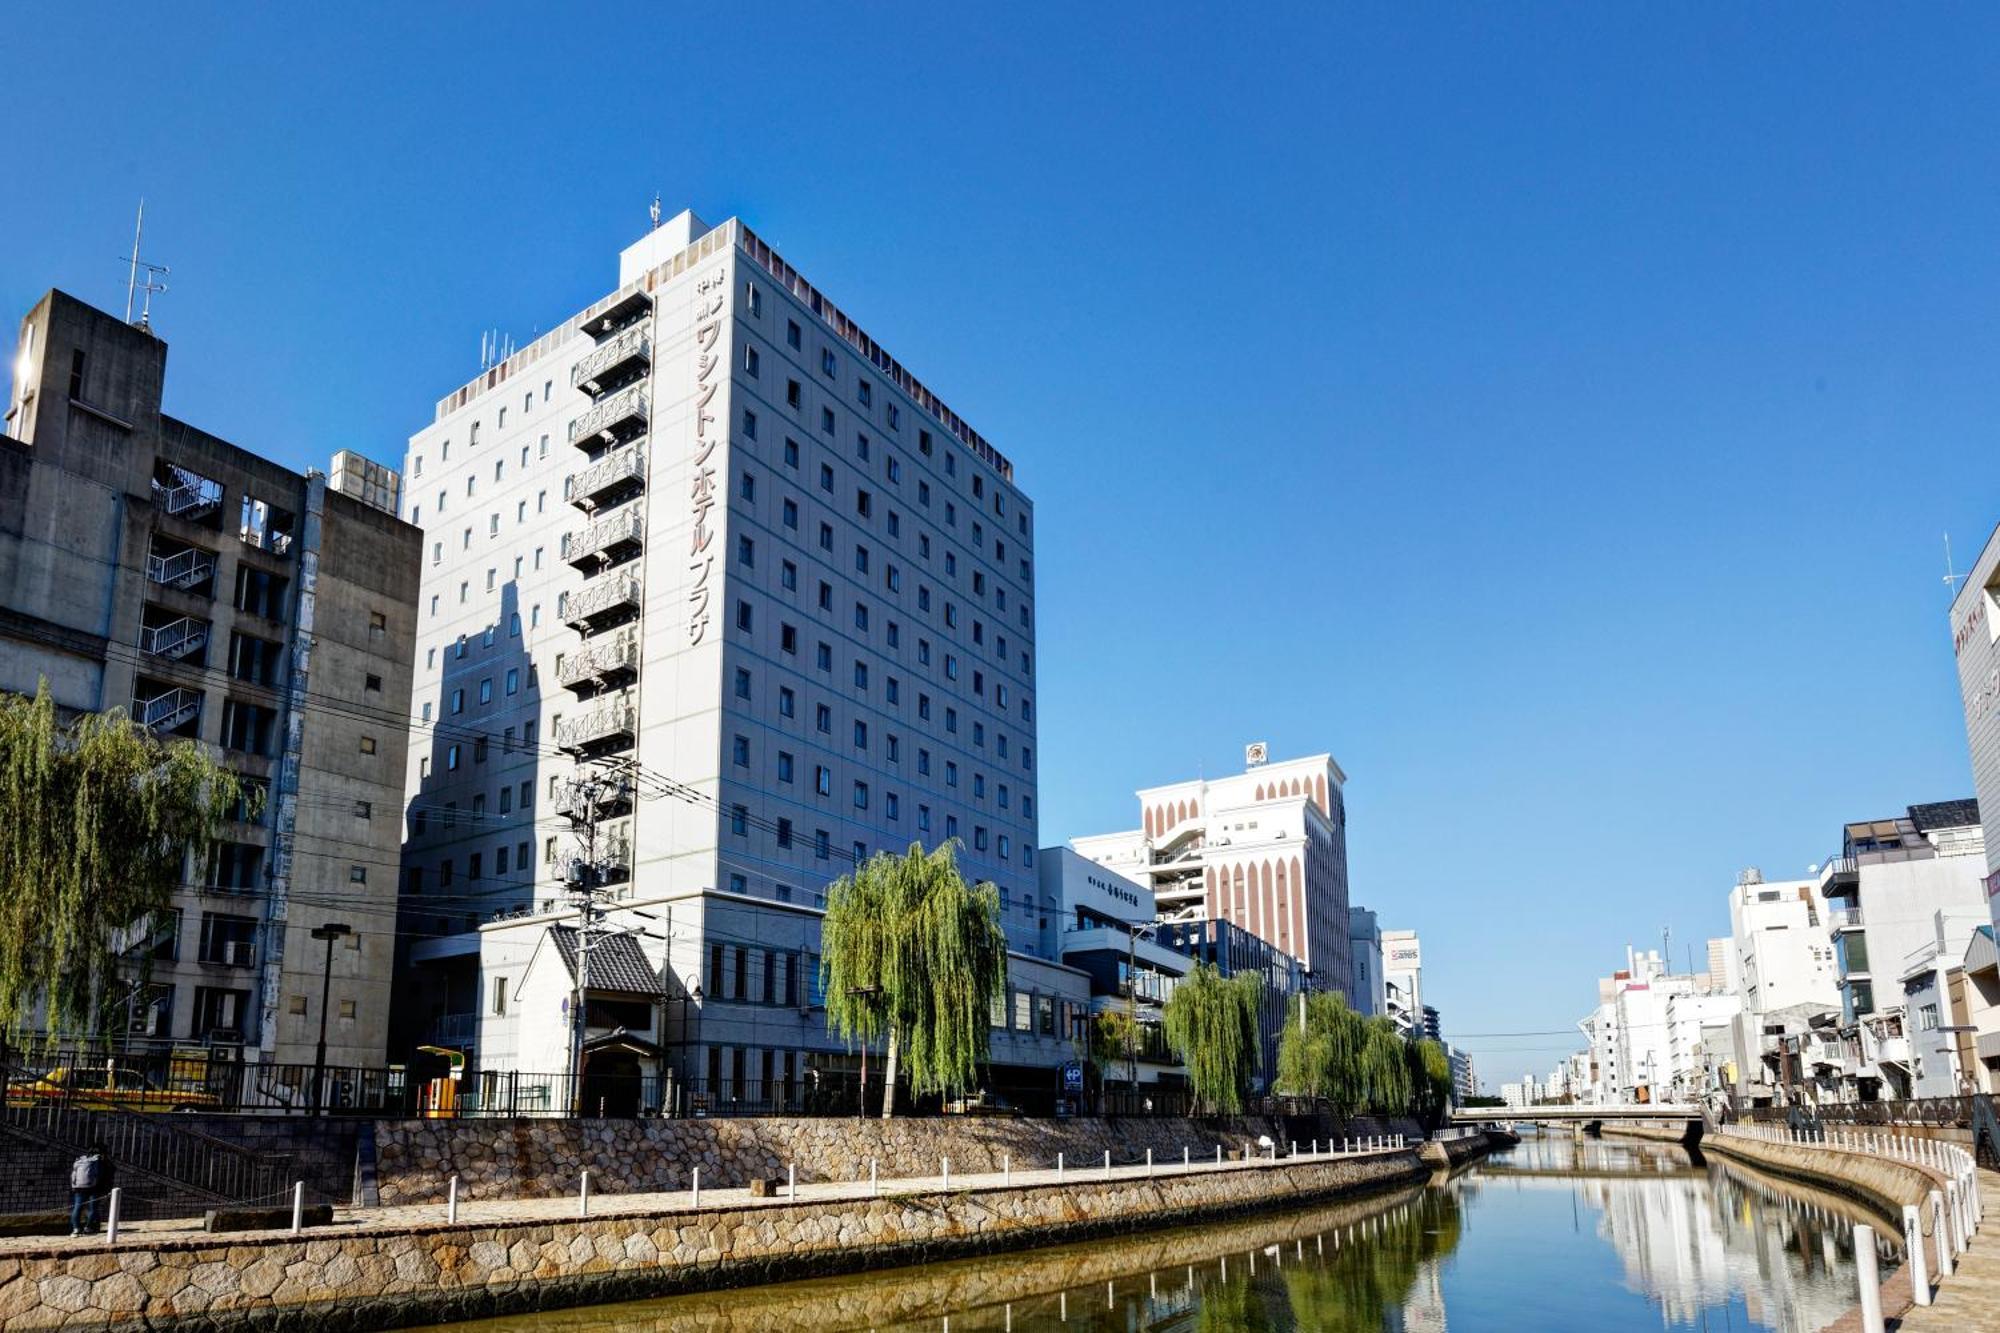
[[1553, 412]]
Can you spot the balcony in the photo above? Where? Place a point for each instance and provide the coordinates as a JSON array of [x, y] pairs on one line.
[[167, 710], [612, 796], [616, 363], [614, 860], [599, 665], [606, 541], [601, 603], [1844, 918], [615, 419], [186, 495], [175, 640], [613, 479], [612, 725], [621, 314], [187, 569]]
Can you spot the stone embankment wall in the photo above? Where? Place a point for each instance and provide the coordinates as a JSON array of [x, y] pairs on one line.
[[513, 1159], [368, 1276]]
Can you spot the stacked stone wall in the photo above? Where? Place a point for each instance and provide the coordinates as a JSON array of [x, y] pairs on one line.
[[369, 1276], [512, 1159]]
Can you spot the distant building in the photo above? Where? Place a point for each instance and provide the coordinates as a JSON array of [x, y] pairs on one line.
[[1464, 1078], [1783, 963], [1975, 640], [1430, 1024], [1367, 994], [1265, 850], [148, 565], [1107, 933], [1232, 949], [1403, 976]]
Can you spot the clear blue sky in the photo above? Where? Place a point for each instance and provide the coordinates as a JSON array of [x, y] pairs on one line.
[[1552, 412]]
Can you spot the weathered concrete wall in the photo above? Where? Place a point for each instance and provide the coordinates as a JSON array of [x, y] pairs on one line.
[[1876, 1181], [371, 1277], [503, 1159]]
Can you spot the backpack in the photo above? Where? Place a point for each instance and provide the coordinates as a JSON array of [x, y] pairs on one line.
[[83, 1172]]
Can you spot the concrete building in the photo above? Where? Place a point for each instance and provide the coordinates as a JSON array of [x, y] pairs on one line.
[[1367, 994], [1265, 849], [1783, 962], [1975, 640], [1647, 1035], [1895, 884], [1432, 1024], [1464, 1077], [1403, 980], [711, 576], [148, 565], [1108, 934], [1231, 949]]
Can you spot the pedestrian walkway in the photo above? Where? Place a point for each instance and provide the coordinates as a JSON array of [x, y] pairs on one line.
[[404, 1217], [1970, 1297]]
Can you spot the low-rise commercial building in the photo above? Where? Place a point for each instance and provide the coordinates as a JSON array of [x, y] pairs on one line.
[[1368, 993], [1403, 980]]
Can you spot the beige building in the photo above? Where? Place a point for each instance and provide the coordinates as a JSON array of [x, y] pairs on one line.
[[148, 565]]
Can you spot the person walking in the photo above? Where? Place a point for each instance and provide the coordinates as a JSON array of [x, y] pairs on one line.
[[86, 1176]]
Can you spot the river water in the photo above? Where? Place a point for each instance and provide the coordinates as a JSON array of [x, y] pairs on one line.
[[1556, 1234]]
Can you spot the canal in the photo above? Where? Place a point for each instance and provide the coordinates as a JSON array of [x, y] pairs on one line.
[[1555, 1234]]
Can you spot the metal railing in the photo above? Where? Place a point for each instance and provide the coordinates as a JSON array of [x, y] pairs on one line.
[[192, 498], [594, 660], [164, 712], [1841, 918], [627, 407], [597, 597], [626, 526], [633, 344], [183, 569], [176, 639], [616, 718], [621, 468], [1932, 1111]]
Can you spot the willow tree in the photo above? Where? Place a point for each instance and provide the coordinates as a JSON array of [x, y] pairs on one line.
[[1324, 1056], [913, 954], [1210, 1021], [1430, 1082], [1382, 1062], [99, 816]]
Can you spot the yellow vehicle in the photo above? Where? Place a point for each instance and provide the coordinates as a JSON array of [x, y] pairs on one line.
[[109, 1088]]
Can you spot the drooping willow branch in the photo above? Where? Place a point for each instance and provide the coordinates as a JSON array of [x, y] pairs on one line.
[[1210, 1022], [98, 816]]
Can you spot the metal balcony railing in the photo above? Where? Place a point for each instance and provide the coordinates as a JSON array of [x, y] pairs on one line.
[[595, 665], [614, 859], [619, 314], [178, 639], [190, 498], [603, 727], [1845, 918], [613, 796], [605, 539], [184, 569], [615, 476], [169, 709], [615, 419], [601, 601], [617, 361]]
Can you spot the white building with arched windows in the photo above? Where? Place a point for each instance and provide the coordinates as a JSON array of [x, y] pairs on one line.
[[1265, 849]]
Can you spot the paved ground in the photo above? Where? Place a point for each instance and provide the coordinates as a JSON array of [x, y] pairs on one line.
[[529, 1210], [1970, 1297]]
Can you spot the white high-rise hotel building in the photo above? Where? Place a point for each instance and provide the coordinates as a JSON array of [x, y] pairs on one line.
[[711, 543]]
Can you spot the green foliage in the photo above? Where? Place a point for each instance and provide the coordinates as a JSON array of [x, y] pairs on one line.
[[99, 815], [911, 950], [1359, 1063], [1210, 1021], [1430, 1082], [1114, 1039], [1364, 1288]]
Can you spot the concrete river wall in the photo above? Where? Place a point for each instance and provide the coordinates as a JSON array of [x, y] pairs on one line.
[[399, 1266]]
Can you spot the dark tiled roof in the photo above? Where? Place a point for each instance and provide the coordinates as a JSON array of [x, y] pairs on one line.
[[1944, 814], [617, 963]]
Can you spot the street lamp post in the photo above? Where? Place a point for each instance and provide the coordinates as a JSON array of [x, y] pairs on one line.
[[330, 931]]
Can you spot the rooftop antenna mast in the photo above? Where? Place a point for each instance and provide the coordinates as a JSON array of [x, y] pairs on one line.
[[154, 274], [1951, 575], [654, 211]]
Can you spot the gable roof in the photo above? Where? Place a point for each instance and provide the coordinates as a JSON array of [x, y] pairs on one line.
[[617, 963]]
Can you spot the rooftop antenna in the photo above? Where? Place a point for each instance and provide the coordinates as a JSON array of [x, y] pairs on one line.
[[1951, 577], [655, 210], [154, 272]]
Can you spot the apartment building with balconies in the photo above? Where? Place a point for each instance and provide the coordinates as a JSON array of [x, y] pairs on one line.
[[148, 565], [708, 564], [1886, 892]]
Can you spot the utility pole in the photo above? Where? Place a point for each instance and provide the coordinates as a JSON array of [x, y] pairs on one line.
[[584, 877]]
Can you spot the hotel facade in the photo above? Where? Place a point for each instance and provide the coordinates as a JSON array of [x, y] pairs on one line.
[[714, 587]]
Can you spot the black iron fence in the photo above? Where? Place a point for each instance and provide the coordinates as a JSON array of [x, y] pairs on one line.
[[1936, 1112]]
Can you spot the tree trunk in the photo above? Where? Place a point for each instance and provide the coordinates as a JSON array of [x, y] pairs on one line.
[[889, 1078]]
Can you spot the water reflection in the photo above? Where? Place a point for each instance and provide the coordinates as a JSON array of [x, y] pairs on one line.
[[1555, 1234]]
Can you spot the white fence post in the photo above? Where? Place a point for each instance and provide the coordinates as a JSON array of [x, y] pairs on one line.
[[1007, 1167], [792, 1181], [1940, 1235], [111, 1218], [945, 1165], [1913, 1248], [583, 1194], [1059, 1168], [1870, 1278], [298, 1206], [874, 1184], [451, 1202], [697, 1187]]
